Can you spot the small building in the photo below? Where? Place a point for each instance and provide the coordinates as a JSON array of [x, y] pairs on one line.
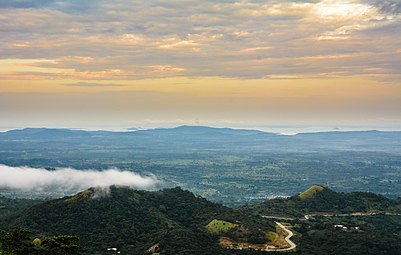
[[154, 249], [340, 227]]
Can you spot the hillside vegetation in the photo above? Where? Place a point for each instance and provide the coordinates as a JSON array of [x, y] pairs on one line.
[[318, 199], [178, 222], [309, 193], [220, 226], [133, 221], [21, 242], [9, 205]]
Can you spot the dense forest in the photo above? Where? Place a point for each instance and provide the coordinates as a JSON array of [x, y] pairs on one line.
[[21, 242], [134, 220], [327, 200], [372, 235], [176, 221], [337, 222]]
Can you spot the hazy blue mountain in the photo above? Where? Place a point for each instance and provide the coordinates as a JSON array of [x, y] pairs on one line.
[[211, 137], [199, 130]]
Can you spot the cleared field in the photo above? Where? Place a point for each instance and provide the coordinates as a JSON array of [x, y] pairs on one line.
[[310, 192], [220, 226]]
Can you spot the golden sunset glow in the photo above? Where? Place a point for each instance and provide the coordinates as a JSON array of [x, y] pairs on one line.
[[248, 63]]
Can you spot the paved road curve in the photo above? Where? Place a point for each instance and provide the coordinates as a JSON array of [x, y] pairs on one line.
[[287, 238]]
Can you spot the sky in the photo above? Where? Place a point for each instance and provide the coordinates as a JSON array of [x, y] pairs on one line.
[[273, 63]]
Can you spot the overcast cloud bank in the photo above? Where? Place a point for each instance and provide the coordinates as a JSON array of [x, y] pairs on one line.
[[129, 40]]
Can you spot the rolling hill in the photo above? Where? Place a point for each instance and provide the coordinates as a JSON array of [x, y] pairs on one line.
[[174, 221], [133, 220], [319, 199]]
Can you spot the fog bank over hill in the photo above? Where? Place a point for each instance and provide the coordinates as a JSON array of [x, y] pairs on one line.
[[69, 180]]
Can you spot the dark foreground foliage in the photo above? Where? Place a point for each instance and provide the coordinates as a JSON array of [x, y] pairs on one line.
[[20, 242], [174, 220], [376, 235], [133, 221]]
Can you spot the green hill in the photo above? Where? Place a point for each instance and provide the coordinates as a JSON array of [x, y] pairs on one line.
[[133, 221], [309, 193], [220, 226], [13, 205], [178, 222], [322, 199]]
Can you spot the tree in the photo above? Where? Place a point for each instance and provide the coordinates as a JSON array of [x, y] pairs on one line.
[[61, 245], [19, 242]]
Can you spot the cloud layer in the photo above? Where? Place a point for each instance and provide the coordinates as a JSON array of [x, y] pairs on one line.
[[68, 180], [124, 40], [80, 63]]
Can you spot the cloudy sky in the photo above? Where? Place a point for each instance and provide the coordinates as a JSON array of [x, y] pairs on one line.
[[254, 63]]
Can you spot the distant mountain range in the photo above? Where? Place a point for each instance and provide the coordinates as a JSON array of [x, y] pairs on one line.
[[232, 166], [186, 129], [203, 133], [43, 133]]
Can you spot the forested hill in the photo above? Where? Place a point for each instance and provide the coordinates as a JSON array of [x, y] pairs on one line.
[[133, 220], [12, 205], [322, 199], [178, 222]]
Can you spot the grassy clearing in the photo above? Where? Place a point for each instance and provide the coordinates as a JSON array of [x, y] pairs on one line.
[[271, 236], [220, 226], [277, 238], [309, 193]]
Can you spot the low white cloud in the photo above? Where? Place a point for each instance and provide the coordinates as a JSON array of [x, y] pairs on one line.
[[69, 180]]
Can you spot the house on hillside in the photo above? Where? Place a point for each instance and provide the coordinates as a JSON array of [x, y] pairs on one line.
[[340, 227], [345, 228], [154, 249]]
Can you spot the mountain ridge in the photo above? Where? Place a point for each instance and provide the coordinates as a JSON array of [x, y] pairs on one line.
[[132, 220], [191, 129]]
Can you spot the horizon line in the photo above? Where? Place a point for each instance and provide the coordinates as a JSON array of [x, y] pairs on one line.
[[267, 129]]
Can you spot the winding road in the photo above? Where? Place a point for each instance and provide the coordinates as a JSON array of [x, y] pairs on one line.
[[308, 216], [287, 238]]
